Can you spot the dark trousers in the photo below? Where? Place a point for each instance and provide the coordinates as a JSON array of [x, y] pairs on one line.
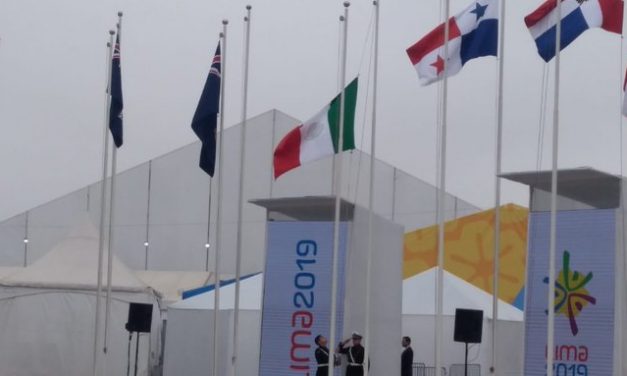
[[354, 371], [322, 371]]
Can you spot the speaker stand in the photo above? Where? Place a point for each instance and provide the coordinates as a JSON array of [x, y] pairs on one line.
[[466, 361], [137, 353], [128, 357]]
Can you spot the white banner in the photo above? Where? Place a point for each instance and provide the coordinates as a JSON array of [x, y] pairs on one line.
[[297, 295], [584, 297]]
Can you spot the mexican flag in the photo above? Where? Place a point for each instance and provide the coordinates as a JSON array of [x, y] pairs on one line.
[[318, 137]]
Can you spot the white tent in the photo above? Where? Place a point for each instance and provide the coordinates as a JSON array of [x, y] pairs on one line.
[[47, 313], [189, 336], [188, 348], [419, 323]]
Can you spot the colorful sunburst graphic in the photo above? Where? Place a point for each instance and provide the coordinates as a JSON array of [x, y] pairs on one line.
[[571, 295]]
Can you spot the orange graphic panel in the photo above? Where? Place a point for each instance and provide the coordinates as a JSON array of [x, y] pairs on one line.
[[469, 244]]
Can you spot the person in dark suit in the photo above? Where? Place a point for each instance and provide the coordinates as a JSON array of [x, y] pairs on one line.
[[407, 357], [322, 356]]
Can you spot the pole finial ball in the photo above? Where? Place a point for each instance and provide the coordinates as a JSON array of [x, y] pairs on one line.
[[375, 3], [225, 22], [249, 7], [120, 14], [111, 32], [347, 4]]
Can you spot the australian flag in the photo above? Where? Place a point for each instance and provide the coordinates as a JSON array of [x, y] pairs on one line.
[[205, 119], [117, 105]]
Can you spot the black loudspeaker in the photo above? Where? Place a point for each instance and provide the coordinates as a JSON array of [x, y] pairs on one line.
[[468, 325], [139, 317]]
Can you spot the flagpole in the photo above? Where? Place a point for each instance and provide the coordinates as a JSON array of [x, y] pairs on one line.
[[240, 207], [147, 237], [338, 191], [208, 242], [103, 199], [553, 230], [373, 134], [497, 186], [442, 196], [114, 155], [216, 295]]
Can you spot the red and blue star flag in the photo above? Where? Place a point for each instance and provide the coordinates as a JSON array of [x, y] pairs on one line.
[[117, 104], [473, 33], [205, 119], [576, 16]]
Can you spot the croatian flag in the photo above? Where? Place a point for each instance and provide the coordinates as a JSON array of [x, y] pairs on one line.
[[473, 33], [577, 16]]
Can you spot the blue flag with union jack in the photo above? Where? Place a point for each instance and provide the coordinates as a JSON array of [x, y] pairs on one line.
[[117, 105], [205, 119]]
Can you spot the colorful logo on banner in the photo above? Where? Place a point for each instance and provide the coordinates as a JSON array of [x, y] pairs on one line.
[[584, 293], [571, 295], [297, 295]]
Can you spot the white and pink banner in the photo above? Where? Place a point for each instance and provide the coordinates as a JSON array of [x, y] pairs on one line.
[[584, 300], [297, 295]]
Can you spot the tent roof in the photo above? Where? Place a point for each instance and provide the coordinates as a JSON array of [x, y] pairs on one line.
[[73, 264], [419, 297], [251, 290], [171, 284]]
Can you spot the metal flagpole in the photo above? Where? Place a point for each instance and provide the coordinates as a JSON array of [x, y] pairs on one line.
[[114, 154], [338, 190], [103, 199], [442, 196], [552, 245], [208, 242], [147, 241], [216, 295], [373, 134], [497, 186], [240, 201]]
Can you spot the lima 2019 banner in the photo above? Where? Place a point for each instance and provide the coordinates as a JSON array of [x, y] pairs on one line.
[[584, 298], [297, 295]]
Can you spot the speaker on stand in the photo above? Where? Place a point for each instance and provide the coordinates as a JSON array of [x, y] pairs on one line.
[[139, 321], [468, 329]]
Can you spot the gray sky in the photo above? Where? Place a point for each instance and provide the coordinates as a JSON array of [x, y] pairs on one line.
[[52, 79]]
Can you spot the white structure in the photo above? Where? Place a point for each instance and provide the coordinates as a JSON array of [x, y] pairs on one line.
[[185, 344], [165, 228], [47, 312]]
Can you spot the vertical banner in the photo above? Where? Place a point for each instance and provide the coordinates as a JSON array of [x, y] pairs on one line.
[[297, 295], [584, 296]]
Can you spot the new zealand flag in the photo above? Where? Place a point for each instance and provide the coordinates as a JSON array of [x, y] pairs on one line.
[[117, 105], [205, 119]]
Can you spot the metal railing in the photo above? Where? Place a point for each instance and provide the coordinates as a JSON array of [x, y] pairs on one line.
[[420, 369]]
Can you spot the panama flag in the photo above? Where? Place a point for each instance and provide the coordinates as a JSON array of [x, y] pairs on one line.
[[577, 16], [318, 137], [473, 33]]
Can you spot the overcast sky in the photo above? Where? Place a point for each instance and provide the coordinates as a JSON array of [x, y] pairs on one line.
[[52, 79]]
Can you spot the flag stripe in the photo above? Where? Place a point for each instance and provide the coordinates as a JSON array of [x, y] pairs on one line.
[[612, 11], [432, 41], [350, 101], [287, 152], [573, 26]]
